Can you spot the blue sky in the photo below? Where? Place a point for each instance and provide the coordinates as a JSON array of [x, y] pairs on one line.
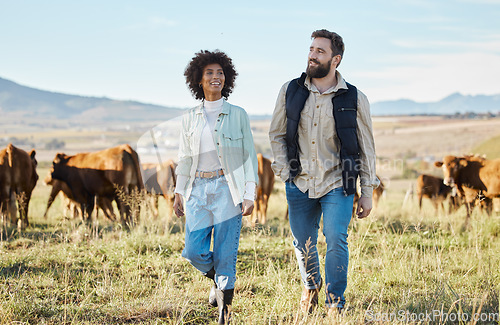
[[416, 49]]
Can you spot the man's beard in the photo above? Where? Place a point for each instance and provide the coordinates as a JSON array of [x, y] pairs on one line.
[[319, 71]]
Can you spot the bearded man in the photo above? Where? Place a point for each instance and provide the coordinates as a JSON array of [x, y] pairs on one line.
[[322, 141]]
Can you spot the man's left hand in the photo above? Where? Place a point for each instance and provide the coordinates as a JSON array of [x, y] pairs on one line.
[[364, 207]]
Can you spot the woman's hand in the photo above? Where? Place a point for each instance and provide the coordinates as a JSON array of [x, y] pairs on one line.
[[178, 206], [247, 207]]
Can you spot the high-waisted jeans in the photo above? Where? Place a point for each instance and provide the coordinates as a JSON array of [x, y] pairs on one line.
[[210, 208]]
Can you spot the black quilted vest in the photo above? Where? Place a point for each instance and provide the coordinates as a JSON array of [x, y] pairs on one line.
[[345, 105]]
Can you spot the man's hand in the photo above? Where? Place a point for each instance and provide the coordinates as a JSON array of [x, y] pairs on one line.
[[247, 207], [178, 206], [364, 207]]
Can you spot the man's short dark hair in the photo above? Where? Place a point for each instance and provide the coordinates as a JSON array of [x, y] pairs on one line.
[[337, 43], [194, 71]]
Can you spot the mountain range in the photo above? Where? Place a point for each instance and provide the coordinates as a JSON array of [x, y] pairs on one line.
[[30, 103], [26, 102], [452, 104]]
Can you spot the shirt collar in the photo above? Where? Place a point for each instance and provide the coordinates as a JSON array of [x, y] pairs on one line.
[[341, 84]]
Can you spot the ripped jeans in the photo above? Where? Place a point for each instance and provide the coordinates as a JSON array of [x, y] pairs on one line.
[[304, 216]]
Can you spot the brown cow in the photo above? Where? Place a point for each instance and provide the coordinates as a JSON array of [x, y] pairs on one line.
[[469, 196], [434, 189], [160, 180], [263, 190], [103, 203], [60, 186], [377, 194], [108, 173], [472, 197], [476, 178], [18, 178]]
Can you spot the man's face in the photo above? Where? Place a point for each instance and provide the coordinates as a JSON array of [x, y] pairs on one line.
[[319, 61]]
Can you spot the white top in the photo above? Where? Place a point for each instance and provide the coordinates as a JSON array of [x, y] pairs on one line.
[[209, 159]]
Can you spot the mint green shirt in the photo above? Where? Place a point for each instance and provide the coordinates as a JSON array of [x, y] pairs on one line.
[[234, 143]]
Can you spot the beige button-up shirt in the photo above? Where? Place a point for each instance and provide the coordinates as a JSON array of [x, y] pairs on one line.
[[318, 142]]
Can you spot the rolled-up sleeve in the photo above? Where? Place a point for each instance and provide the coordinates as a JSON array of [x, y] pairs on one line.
[[368, 177], [277, 137]]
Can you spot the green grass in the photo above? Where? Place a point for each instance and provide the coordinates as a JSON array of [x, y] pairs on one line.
[[490, 148], [402, 262]]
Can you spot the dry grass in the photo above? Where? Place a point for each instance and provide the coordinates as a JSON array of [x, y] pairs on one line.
[[490, 148], [430, 138], [404, 263]]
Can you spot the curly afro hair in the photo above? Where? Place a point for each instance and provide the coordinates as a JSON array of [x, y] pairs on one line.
[[194, 72]]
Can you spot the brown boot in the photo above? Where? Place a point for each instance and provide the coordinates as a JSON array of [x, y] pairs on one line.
[[309, 299]]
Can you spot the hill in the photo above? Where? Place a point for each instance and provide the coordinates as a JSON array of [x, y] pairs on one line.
[[29, 103], [455, 103], [19, 101]]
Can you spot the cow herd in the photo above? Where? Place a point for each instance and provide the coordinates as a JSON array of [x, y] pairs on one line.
[[468, 180], [91, 182]]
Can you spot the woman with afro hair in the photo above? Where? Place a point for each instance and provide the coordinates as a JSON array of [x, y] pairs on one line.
[[216, 174]]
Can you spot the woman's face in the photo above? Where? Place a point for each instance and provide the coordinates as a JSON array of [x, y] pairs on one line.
[[212, 81]]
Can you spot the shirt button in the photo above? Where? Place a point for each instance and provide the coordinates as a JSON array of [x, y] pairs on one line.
[[313, 160], [315, 124], [313, 142], [317, 106]]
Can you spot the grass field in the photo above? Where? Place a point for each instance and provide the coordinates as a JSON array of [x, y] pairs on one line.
[[404, 265], [490, 148]]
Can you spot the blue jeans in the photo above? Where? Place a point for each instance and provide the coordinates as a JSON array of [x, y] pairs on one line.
[[305, 215], [210, 208]]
